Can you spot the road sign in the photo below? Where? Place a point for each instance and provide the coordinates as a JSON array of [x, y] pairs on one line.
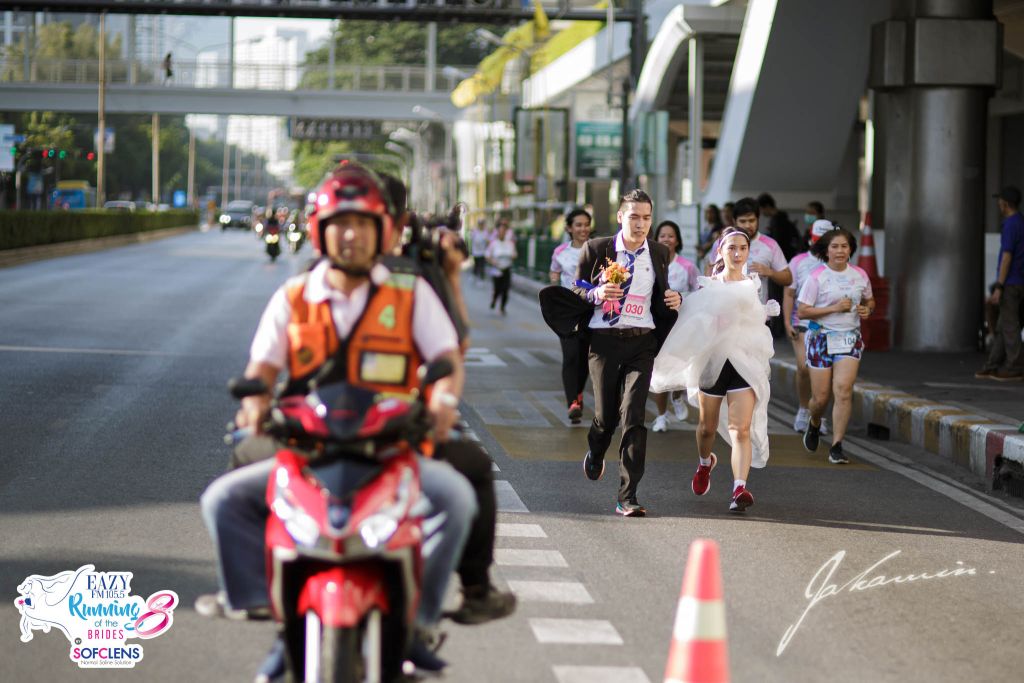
[[332, 129], [6, 140], [109, 139], [598, 149], [179, 199]]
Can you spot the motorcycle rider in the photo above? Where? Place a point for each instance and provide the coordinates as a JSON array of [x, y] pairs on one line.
[[342, 310]]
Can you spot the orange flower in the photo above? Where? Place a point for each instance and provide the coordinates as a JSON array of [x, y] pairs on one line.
[[614, 272]]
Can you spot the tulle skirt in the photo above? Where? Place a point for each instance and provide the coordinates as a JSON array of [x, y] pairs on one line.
[[721, 321]]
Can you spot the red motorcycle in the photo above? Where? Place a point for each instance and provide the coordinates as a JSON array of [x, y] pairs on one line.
[[344, 534]]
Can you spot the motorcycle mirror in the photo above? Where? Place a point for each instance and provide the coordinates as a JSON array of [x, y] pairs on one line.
[[240, 387], [439, 369]]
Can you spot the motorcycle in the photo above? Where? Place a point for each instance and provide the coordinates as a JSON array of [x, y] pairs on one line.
[[272, 240], [296, 236], [344, 535]]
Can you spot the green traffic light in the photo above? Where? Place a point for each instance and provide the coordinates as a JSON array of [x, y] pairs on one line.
[[63, 154]]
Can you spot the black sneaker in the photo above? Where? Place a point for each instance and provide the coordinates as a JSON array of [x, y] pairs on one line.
[[985, 373], [481, 604], [425, 659], [593, 467], [811, 437], [631, 508], [835, 454]]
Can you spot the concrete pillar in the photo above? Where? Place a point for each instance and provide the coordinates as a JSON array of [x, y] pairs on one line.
[[934, 132]]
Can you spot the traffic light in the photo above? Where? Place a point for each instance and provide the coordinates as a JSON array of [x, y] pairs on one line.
[[91, 156], [62, 154], [50, 153]]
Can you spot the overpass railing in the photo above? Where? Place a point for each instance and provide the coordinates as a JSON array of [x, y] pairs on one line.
[[254, 76]]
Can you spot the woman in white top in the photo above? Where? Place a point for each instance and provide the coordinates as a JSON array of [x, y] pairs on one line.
[[501, 254], [575, 349], [718, 348], [682, 278], [834, 299]]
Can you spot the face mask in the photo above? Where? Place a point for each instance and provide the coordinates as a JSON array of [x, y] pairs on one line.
[[809, 218]]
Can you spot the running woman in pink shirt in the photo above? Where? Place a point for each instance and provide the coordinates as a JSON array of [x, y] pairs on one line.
[[834, 299]]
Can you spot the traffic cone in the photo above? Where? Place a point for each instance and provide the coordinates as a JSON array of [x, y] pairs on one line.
[[699, 652], [866, 258]]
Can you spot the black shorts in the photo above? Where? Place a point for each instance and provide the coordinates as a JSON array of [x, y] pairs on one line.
[[728, 380]]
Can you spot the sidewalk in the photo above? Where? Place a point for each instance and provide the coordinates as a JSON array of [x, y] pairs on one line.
[[928, 400]]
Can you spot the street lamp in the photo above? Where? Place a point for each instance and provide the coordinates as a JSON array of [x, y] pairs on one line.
[[450, 167]]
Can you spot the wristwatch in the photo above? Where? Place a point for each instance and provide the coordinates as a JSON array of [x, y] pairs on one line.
[[997, 285]]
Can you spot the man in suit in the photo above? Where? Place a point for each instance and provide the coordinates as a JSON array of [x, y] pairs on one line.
[[628, 323]]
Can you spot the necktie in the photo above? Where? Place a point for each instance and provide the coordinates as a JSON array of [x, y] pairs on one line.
[[611, 316]]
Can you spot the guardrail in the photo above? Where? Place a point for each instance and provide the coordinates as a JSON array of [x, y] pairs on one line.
[[240, 75]]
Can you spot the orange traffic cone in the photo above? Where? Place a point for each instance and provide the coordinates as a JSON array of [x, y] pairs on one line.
[[699, 652], [866, 257]]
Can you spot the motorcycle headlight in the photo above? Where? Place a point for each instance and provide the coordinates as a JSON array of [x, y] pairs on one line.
[[303, 528], [377, 529], [224, 218], [272, 239], [294, 236]]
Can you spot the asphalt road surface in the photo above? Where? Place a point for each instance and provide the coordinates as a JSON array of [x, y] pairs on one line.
[[111, 416]]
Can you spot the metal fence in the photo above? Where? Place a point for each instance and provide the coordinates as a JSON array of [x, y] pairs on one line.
[[249, 76]]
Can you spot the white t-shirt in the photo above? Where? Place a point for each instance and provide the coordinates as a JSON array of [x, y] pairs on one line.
[[564, 261], [432, 329], [801, 266], [682, 275], [638, 299], [763, 250], [478, 242], [825, 287], [502, 252]]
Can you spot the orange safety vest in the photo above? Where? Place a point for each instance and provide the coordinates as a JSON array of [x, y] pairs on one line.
[[379, 354]]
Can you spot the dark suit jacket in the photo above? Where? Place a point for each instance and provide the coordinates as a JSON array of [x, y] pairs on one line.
[[592, 259]]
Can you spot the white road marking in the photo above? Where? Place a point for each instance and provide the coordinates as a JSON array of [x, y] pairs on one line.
[[600, 674], [566, 592], [494, 467], [519, 557], [508, 499], [575, 631], [104, 352], [509, 530], [524, 356], [508, 408], [482, 358]]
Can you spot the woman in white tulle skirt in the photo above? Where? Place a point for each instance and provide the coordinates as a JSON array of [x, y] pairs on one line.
[[719, 350]]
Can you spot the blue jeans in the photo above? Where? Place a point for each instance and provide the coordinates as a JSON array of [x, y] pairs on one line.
[[235, 511]]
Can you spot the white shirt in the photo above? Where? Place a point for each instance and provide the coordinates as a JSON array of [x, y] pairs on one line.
[[478, 242], [502, 252], [564, 261], [640, 289], [763, 250], [825, 287], [432, 329], [801, 266], [682, 275]]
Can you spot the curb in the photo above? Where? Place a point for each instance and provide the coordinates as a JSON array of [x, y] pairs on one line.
[[15, 257], [527, 287], [975, 442]]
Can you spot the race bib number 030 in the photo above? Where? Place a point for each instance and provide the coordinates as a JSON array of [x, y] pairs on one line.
[[840, 343], [634, 307]]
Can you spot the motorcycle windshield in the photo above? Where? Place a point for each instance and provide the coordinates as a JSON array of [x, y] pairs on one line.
[[346, 409], [343, 477]]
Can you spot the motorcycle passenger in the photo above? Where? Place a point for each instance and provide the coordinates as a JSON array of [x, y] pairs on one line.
[[339, 309], [482, 602]]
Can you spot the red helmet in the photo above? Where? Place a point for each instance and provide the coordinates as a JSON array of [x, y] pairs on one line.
[[350, 188]]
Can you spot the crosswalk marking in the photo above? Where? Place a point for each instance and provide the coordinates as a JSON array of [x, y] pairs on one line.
[[566, 592], [519, 557], [482, 358], [508, 499], [575, 631], [600, 674], [510, 530]]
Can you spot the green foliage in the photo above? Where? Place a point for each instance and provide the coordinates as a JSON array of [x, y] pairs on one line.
[[314, 159], [34, 228]]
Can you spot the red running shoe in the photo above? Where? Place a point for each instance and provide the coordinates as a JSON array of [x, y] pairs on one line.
[[702, 480], [576, 410], [741, 499]]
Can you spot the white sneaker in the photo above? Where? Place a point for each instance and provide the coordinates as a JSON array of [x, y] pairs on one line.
[[824, 427], [680, 408], [803, 416], [660, 424]]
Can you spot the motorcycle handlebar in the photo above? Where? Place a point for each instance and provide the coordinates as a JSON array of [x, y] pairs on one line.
[[241, 387]]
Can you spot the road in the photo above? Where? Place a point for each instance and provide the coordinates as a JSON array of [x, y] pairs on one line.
[[112, 412]]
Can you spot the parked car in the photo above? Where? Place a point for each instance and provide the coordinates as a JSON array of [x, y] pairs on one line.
[[119, 205], [237, 214]]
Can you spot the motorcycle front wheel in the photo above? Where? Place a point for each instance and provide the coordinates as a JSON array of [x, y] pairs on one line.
[[344, 655]]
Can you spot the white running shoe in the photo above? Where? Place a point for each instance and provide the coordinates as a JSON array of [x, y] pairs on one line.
[[802, 417], [824, 427], [660, 424], [680, 408]]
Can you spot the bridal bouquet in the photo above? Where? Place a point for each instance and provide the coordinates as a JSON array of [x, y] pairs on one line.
[[616, 274]]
